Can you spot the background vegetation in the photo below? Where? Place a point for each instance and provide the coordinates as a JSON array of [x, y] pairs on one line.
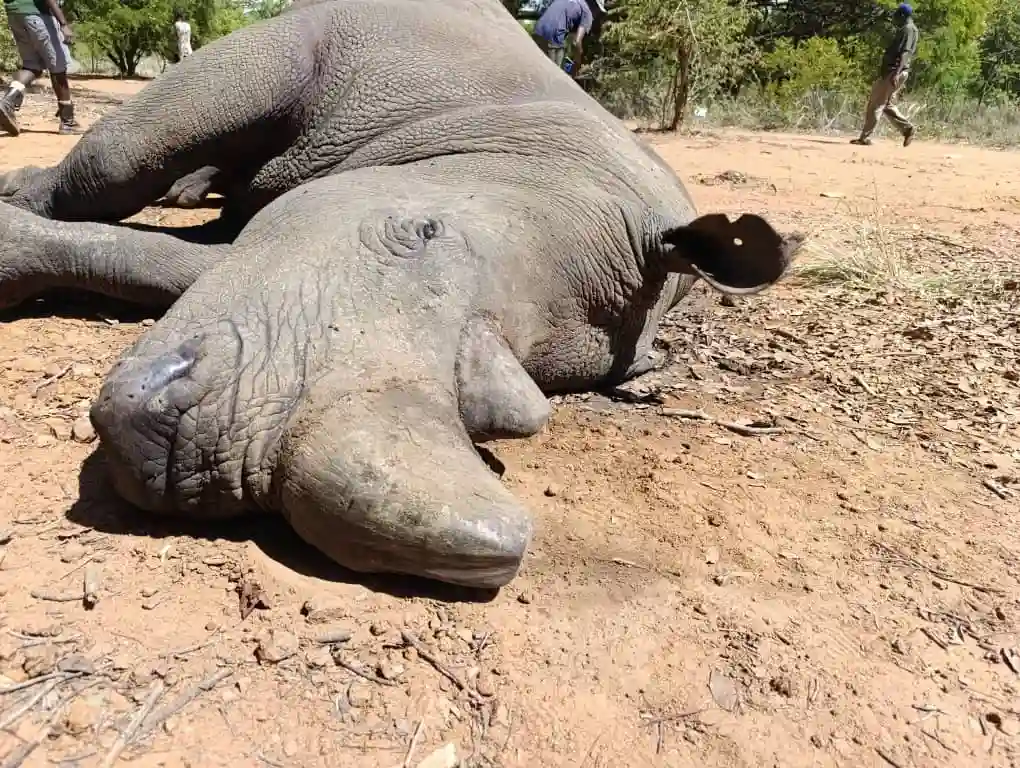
[[789, 64]]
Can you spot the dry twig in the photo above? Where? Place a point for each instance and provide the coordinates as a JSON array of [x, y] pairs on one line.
[[413, 745], [360, 672], [439, 666], [161, 715], [14, 715], [128, 734], [746, 430], [937, 573], [90, 587]]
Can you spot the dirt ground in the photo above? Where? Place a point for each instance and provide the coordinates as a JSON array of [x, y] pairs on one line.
[[838, 585]]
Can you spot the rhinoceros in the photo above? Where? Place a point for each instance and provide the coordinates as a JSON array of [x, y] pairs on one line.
[[427, 229]]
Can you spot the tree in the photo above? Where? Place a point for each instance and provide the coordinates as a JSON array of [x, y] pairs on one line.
[[1000, 52], [679, 49], [259, 10], [126, 31]]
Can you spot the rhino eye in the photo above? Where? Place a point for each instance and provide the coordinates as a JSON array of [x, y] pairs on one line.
[[407, 237]]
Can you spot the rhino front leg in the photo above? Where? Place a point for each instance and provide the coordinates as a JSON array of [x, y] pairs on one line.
[[147, 267]]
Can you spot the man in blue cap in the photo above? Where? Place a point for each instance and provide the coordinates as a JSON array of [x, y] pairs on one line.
[[895, 70], [561, 18]]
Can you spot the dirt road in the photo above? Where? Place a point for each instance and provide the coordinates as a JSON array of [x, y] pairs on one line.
[[840, 588]]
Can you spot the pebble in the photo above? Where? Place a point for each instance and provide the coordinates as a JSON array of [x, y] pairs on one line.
[[389, 670], [275, 645], [322, 613], [80, 717], [148, 322], [524, 598], [40, 660], [359, 695], [444, 757], [552, 490], [215, 561], [58, 428], [485, 685], [28, 365], [290, 748], [334, 635], [318, 658], [82, 430], [72, 553], [149, 591], [378, 628]]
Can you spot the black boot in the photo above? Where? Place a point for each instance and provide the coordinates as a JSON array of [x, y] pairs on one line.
[[65, 111], [9, 105]]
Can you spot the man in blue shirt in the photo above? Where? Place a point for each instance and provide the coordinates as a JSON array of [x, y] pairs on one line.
[[560, 19]]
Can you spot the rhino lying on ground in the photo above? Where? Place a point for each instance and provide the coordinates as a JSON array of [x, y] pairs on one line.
[[427, 228]]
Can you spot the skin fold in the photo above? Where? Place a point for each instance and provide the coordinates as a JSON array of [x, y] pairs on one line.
[[420, 243]]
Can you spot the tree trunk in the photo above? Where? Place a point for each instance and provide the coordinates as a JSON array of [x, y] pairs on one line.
[[681, 85]]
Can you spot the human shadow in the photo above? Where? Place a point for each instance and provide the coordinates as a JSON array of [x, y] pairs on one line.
[[98, 507]]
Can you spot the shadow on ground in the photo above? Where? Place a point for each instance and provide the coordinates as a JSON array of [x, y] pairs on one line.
[[99, 508]]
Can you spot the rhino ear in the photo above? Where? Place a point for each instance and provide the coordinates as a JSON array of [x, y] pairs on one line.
[[736, 257]]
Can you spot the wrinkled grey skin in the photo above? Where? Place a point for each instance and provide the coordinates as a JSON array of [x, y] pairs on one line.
[[437, 229]]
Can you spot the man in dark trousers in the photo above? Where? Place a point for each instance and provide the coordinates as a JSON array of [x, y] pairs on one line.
[[560, 19], [40, 31], [894, 74]]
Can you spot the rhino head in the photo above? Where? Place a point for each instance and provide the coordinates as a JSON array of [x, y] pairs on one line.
[[340, 370]]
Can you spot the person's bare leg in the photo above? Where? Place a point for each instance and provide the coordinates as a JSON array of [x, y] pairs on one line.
[[65, 107]]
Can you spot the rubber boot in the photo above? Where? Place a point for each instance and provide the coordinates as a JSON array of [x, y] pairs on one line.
[[9, 105], [68, 125]]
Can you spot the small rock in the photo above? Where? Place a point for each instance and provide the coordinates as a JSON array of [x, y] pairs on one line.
[[28, 365], [72, 553], [466, 635], [333, 636], [389, 670], [378, 628], [712, 555], [318, 658], [714, 520], [316, 612], [727, 300], [275, 645], [80, 717], [444, 757], [552, 490], [783, 685], [58, 428], [215, 561], [39, 661], [149, 591], [524, 598], [290, 748], [148, 322], [485, 685], [359, 695], [500, 715], [82, 430], [151, 604], [77, 662], [53, 369]]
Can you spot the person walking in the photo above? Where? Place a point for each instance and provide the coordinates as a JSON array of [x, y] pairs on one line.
[[183, 30], [40, 32], [895, 71], [561, 18]]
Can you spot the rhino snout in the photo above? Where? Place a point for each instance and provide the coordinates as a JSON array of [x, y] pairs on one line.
[[157, 421]]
